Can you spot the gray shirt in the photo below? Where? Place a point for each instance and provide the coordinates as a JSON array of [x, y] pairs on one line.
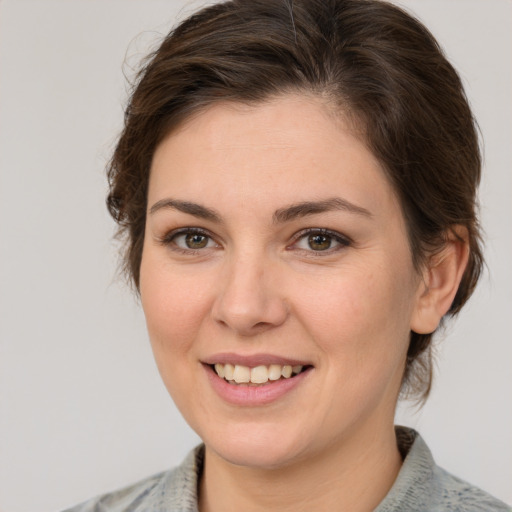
[[421, 486]]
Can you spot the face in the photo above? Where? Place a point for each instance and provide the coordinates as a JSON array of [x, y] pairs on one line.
[[276, 253]]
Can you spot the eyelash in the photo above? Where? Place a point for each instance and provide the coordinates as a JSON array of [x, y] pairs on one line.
[[342, 240], [169, 239]]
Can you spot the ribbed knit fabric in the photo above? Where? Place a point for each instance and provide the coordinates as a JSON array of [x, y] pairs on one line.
[[421, 486]]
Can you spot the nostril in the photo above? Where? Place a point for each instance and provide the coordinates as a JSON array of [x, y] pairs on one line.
[[261, 325]]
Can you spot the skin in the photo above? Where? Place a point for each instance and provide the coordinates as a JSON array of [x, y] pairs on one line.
[[258, 286]]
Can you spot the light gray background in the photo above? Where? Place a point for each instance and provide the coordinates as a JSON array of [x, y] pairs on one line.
[[82, 409]]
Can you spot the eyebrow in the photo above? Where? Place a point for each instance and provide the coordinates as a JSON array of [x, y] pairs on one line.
[[282, 215], [306, 208], [187, 207]]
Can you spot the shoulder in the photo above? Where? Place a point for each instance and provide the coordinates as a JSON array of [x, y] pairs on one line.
[[173, 490], [121, 499], [457, 495], [422, 486]]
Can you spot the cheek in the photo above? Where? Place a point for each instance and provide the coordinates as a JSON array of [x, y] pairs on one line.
[[361, 316], [174, 305]]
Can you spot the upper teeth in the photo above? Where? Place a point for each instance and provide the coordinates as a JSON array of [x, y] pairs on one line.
[[257, 375]]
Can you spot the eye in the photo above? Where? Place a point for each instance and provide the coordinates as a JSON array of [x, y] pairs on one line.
[[189, 239], [320, 240], [193, 240]]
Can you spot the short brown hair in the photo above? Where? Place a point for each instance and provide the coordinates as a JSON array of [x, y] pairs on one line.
[[370, 60]]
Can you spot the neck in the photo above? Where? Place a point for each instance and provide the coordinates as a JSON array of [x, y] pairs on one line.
[[354, 476]]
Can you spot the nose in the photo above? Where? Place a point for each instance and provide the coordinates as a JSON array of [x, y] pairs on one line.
[[249, 301]]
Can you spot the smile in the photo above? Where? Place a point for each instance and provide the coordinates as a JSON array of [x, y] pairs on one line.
[[255, 380], [258, 375]]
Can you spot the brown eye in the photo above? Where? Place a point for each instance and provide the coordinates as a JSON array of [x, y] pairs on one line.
[[190, 240], [196, 241], [319, 242]]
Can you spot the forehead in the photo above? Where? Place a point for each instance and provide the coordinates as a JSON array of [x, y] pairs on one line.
[[290, 147]]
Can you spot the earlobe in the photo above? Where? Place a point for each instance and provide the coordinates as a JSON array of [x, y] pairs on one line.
[[441, 278]]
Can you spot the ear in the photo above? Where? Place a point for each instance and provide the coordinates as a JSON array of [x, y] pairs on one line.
[[441, 278]]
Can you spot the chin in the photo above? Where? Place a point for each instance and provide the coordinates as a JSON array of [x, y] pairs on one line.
[[267, 447]]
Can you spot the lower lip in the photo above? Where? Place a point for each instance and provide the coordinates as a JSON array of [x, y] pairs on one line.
[[240, 394]]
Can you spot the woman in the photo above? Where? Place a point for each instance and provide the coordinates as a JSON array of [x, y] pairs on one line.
[[296, 183]]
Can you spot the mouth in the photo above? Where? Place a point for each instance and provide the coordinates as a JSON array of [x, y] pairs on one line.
[[255, 380], [260, 375]]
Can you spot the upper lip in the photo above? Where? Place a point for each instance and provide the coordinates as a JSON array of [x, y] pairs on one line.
[[252, 360]]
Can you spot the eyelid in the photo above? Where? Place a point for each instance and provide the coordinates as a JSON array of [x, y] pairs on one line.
[[168, 238], [343, 240]]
